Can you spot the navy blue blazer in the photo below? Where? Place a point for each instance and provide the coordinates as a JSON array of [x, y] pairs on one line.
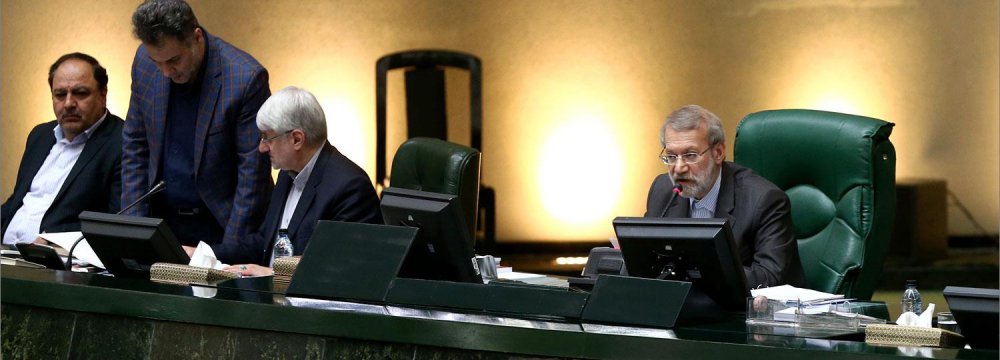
[[231, 177], [338, 189], [93, 184], [760, 216]]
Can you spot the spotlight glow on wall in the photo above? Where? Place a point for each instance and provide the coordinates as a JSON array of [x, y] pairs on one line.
[[580, 171], [837, 103], [345, 129]]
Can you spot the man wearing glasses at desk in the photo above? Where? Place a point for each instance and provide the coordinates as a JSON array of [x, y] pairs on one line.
[[694, 150]]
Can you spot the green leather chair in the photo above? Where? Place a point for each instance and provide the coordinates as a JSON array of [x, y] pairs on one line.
[[439, 166], [839, 172]]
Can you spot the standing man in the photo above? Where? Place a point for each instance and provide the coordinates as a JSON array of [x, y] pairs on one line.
[[316, 181], [191, 124], [70, 164], [694, 150]]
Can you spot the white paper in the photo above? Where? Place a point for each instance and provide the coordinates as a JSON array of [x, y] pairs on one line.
[[788, 314], [204, 257], [513, 275], [788, 293], [83, 250], [910, 319]]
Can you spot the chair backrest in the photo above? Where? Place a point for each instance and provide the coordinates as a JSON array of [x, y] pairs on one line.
[[439, 166], [839, 172]]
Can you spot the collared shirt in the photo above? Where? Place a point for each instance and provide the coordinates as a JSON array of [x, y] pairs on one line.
[[25, 224], [298, 185], [705, 207]]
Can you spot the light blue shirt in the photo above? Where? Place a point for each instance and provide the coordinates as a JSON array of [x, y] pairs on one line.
[[24, 225], [298, 185], [705, 207]]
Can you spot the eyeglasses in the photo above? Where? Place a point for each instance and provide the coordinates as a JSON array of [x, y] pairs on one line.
[[689, 158], [268, 140]]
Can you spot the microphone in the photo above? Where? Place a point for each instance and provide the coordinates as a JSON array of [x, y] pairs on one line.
[[160, 186], [673, 196]]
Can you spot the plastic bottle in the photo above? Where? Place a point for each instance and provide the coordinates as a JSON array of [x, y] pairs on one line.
[[911, 298], [282, 246]]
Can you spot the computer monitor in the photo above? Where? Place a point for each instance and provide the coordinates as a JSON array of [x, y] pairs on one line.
[[976, 312], [443, 248], [700, 251], [129, 245]]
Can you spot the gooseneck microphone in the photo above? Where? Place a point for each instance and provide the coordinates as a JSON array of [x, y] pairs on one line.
[[156, 188], [673, 196]]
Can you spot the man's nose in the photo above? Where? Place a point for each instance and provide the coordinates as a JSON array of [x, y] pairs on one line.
[[680, 166], [70, 101], [262, 148], [166, 70]]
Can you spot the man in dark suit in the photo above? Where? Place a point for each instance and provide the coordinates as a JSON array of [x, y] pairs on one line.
[[70, 164], [316, 181], [191, 124], [694, 150]]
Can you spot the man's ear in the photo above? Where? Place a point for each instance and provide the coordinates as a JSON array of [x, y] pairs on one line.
[[298, 139], [719, 152]]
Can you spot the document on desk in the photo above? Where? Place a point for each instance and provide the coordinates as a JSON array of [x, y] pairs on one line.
[[83, 250], [789, 314], [789, 294]]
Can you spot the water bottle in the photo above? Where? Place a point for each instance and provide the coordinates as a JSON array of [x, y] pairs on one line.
[[282, 246], [911, 298]]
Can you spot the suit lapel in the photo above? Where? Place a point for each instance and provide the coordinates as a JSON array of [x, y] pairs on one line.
[[281, 190], [157, 125], [36, 156], [727, 192], [309, 192], [211, 86], [93, 146], [680, 209]]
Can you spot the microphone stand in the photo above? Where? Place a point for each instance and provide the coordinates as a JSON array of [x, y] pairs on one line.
[[156, 188], [673, 196]]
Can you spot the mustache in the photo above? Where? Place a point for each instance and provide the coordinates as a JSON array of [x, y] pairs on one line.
[[66, 114]]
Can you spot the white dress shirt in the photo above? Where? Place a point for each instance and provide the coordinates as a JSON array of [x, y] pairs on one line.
[[298, 185], [24, 225]]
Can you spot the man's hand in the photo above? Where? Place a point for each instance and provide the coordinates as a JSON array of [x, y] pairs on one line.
[[249, 270], [188, 249]]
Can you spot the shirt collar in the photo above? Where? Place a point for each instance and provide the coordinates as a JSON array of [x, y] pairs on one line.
[[710, 199], [58, 131], [302, 177]]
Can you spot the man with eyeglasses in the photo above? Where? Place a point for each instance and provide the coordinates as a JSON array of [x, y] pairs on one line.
[[694, 150], [191, 124], [316, 181]]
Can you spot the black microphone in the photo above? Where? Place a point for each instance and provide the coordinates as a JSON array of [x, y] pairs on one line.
[[156, 188], [673, 196]]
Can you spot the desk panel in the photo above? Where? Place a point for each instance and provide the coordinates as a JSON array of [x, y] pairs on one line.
[[57, 314]]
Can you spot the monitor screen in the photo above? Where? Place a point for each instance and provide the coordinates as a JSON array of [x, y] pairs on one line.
[[976, 312], [700, 251], [443, 249], [129, 245]]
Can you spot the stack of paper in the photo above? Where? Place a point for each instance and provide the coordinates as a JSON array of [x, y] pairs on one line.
[[791, 294]]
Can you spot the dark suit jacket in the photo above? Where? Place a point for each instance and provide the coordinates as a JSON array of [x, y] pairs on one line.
[[760, 215], [337, 190], [232, 178], [93, 184]]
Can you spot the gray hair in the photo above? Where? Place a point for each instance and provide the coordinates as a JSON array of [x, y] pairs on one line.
[[293, 108], [691, 117], [155, 19]]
